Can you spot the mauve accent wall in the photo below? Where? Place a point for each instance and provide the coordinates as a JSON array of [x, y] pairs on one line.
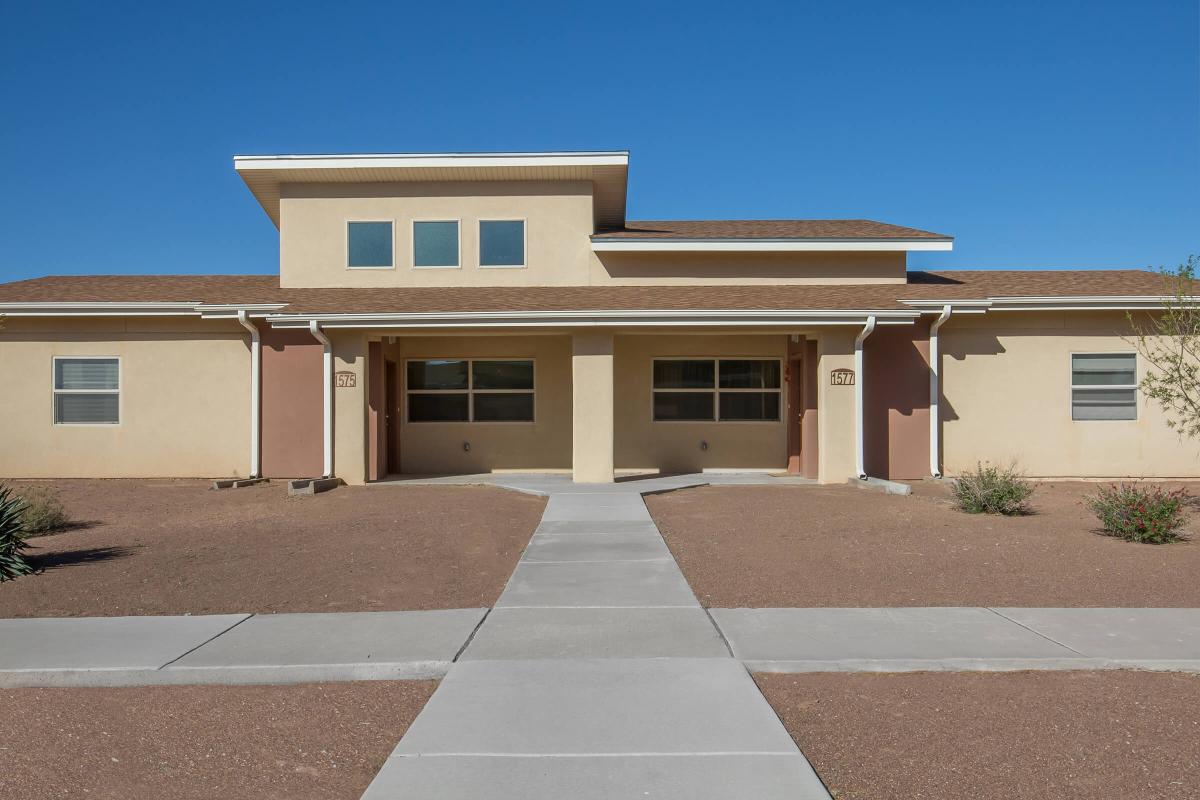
[[291, 404], [896, 414]]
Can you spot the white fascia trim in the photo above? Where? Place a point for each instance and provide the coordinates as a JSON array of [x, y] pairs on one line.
[[98, 309], [579, 319], [614, 158], [1130, 303], [206, 311], [766, 245], [936, 305], [223, 311]]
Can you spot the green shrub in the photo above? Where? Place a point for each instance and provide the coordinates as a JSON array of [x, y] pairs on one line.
[[12, 536], [44, 512], [1137, 513], [990, 489]]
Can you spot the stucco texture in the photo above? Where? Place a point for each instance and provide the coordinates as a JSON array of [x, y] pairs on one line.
[[185, 399], [642, 443], [1007, 398], [544, 444], [558, 224]]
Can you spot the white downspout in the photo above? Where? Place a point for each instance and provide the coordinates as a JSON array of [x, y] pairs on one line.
[[314, 328], [860, 445], [255, 391], [935, 394]]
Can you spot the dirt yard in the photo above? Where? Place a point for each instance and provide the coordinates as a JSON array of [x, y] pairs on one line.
[[996, 736], [763, 547], [262, 742], [176, 547]]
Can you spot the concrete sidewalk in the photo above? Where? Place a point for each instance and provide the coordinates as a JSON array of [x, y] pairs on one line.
[[294, 648], [232, 648], [989, 639]]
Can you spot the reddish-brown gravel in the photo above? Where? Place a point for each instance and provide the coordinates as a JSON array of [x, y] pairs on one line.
[[765, 546], [263, 742], [996, 736], [176, 547]]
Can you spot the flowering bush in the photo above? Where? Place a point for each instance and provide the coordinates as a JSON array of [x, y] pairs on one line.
[[1139, 513]]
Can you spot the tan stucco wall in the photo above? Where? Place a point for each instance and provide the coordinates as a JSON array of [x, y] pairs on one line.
[[675, 446], [185, 399], [545, 444], [350, 406], [558, 215], [1007, 396], [592, 389], [312, 234], [837, 410]]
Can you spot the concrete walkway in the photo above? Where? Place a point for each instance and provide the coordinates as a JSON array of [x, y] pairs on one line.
[[597, 675]]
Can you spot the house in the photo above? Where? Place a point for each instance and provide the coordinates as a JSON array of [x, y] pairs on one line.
[[462, 313]]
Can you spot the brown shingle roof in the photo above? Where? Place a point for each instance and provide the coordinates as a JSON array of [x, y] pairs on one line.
[[765, 229], [943, 285]]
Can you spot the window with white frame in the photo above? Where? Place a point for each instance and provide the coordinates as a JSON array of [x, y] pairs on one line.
[[717, 390], [1103, 386], [435, 243], [501, 243], [369, 245], [469, 390], [87, 391]]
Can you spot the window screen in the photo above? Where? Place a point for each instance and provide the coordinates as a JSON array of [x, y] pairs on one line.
[[1103, 386], [717, 390], [470, 390], [87, 391]]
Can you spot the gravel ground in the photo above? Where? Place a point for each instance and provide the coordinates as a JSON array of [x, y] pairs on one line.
[[763, 547], [264, 742], [176, 547], [996, 736]]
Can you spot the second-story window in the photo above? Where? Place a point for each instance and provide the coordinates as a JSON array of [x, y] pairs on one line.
[[502, 243], [369, 245], [435, 243]]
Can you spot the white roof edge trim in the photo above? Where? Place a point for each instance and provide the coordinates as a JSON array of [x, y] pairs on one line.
[[755, 312], [593, 318], [766, 245], [939, 303], [1144, 298], [240, 306], [133, 309], [1060, 303], [614, 158]]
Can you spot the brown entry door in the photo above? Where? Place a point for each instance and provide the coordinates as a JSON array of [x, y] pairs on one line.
[[391, 417]]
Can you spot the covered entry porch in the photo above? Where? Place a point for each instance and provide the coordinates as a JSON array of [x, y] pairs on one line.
[[596, 402]]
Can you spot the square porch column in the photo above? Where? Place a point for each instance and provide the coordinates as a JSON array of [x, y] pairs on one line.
[[592, 407], [838, 411]]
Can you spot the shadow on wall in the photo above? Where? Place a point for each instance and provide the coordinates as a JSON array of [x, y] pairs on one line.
[[896, 415]]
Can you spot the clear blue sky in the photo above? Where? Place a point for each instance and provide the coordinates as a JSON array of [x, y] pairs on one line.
[[1041, 134]]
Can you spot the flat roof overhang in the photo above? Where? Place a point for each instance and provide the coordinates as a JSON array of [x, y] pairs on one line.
[[607, 170]]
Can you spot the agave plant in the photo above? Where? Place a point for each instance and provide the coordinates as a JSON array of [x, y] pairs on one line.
[[12, 536]]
